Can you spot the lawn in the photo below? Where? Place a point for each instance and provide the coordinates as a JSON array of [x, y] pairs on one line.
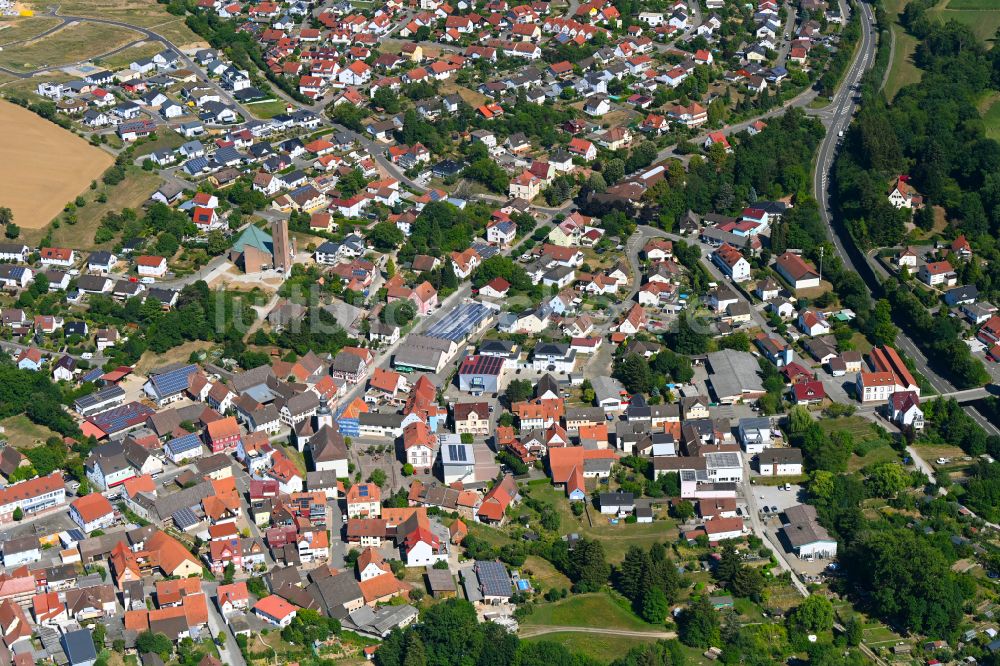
[[268, 108], [931, 452], [545, 575], [76, 42], [980, 16], [21, 433], [165, 140], [602, 647], [991, 120], [17, 28], [902, 70], [130, 193], [122, 59], [866, 440], [596, 609], [878, 454]]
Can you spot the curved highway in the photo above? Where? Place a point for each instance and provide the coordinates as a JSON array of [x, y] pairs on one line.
[[837, 118]]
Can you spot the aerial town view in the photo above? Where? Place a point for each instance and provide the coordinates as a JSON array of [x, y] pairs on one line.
[[499, 332]]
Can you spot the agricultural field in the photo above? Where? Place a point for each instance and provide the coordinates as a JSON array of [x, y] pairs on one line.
[[18, 28], [32, 184], [73, 43]]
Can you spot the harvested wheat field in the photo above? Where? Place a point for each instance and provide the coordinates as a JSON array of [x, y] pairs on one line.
[[43, 166]]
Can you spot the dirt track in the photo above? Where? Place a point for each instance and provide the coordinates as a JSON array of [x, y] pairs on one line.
[[43, 166]]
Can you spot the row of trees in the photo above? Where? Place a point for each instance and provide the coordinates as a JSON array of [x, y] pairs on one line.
[[649, 579]]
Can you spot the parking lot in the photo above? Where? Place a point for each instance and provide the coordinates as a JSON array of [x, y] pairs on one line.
[[774, 496]]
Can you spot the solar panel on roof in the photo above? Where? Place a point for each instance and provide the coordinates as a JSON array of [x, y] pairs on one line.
[[174, 381], [92, 375], [457, 452], [493, 579], [184, 443], [460, 322], [76, 534], [97, 397], [363, 491], [184, 518], [121, 418]]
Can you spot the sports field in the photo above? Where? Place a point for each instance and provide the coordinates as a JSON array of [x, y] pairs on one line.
[[44, 166]]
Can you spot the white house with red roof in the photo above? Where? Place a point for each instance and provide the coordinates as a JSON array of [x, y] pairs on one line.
[[718, 138], [495, 288], [904, 410], [275, 610], [151, 266], [57, 256], [936, 273], [732, 262]]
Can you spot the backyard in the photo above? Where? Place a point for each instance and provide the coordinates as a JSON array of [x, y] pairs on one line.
[[616, 539], [870, 446], [21, 433]]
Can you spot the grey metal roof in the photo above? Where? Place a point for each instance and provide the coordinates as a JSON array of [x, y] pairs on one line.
[[79, 646], [734, 373]]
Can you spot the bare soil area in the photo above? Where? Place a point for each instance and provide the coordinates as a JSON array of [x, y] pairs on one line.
[[43, 167]]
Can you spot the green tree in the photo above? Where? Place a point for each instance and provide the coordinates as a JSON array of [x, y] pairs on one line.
[[386, 236], [655, 606], [377, 477], [698, 624], [634, 374], [886, 479], [588, 567], [854, 631], [519, 390], [148, 642], [813, 615], [687, 340]]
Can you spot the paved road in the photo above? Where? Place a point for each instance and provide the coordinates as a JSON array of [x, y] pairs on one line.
[[837, 117], [789, 29], [761, 530], [147, 35], [229, 650]]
